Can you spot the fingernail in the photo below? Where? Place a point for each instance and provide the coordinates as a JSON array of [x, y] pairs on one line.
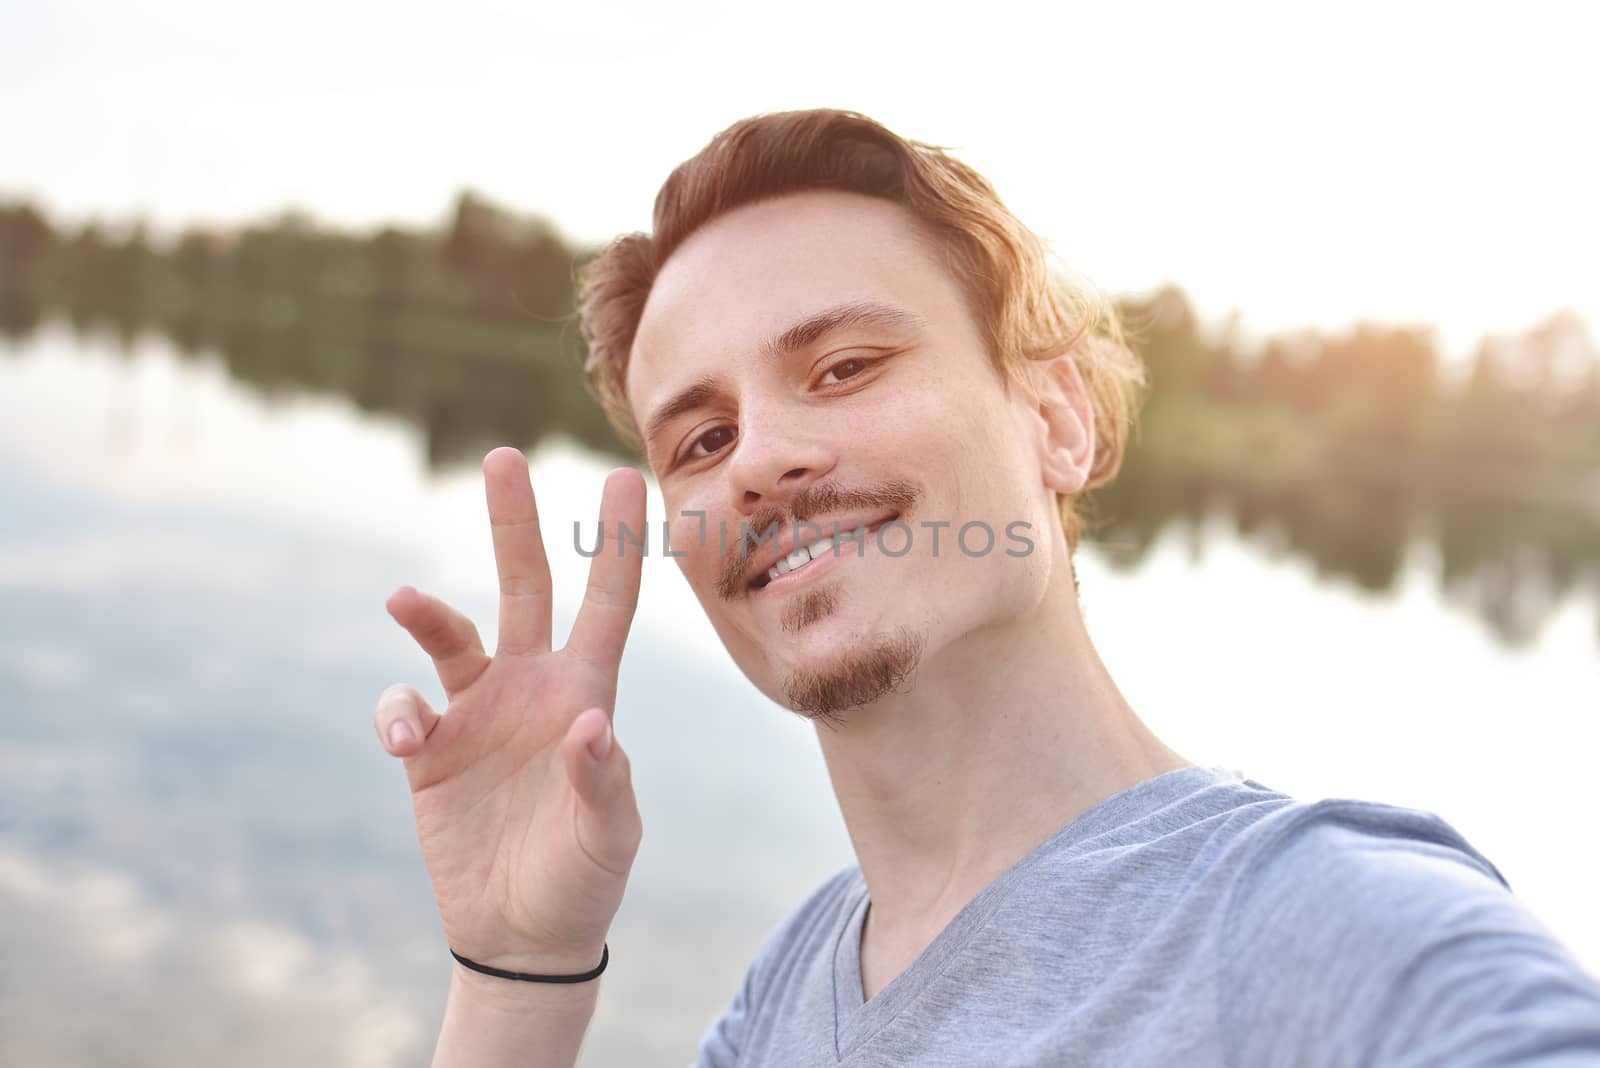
[[601, 745], [400, 733]]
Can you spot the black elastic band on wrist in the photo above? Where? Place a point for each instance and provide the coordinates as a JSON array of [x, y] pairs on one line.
[[605, 956]]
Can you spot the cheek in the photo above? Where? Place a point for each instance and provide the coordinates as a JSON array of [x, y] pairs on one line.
[[692, 535], [984, 472], [976, 451]]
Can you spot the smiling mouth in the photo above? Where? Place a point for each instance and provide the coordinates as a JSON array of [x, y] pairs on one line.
[[803, 555]]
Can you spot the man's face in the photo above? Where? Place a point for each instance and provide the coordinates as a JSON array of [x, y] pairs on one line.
[[809, 358]]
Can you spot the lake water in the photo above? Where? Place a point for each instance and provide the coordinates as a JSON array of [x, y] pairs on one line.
[[205, 856]]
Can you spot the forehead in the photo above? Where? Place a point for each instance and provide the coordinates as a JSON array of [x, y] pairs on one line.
[[750, 274]]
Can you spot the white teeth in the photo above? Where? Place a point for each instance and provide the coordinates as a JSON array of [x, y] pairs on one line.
[[799, 558], [804, 555]]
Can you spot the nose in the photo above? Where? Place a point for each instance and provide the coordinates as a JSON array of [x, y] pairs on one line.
[[774, 459]]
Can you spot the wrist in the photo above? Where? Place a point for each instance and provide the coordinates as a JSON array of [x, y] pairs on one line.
[[491, 994], [564, 976]]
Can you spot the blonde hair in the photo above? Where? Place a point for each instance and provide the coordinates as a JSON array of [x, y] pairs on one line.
[[1025, 311]]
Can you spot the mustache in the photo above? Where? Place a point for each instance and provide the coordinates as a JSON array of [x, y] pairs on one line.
[[821, 498]]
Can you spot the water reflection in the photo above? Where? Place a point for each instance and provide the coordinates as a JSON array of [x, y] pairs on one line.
[[204, 855], [1511, 562]]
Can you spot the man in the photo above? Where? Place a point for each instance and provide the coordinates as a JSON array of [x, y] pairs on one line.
[[832, 334]]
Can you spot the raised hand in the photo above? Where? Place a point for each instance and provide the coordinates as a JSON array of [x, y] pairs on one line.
[[524, 801]]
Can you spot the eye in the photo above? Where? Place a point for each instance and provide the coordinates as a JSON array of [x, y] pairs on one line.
[[849, 368], [713, 439]]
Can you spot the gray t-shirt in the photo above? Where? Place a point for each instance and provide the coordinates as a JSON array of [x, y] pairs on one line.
[[1198, 918]]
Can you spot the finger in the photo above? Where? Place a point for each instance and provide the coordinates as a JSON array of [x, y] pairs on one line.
[[518, 553], [444, 634], [603, 620], [608, 825], [403, 720]]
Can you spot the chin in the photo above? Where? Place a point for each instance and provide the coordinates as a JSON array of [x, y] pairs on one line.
[[850, 673]]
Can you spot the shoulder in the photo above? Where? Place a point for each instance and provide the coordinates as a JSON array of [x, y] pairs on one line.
[[1342, 850], [795, 939], [1338, 889], [809, 927], [820, 910], [1367, 924]]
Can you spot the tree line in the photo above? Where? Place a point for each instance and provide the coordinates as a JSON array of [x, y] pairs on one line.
[[1343, 444]]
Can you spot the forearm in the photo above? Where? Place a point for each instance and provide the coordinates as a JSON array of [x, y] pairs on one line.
[[500, 1023]]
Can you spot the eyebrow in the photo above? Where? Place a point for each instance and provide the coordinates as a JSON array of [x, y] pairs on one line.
[[800, 335]]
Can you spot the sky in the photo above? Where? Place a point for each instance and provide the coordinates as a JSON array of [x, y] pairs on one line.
[[1430, 163]]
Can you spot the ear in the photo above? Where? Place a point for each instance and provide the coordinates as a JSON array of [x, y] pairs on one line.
[[1066, 418]]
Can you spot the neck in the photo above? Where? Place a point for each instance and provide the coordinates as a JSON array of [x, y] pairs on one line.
[[1007, 736]]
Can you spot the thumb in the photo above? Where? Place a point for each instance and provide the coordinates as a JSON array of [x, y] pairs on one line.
[[608, 813], [403, 720]]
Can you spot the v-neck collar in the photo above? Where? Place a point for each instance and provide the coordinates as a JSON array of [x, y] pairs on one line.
[[857, 1020]]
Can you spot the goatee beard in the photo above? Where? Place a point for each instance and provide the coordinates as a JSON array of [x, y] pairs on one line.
[[860, 677]]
